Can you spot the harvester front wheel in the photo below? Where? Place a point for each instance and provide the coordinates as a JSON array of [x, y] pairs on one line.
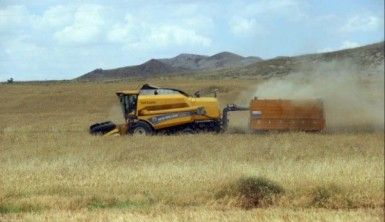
[[142, 128]]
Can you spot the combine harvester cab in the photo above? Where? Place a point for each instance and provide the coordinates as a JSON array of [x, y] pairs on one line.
[[286, 115]]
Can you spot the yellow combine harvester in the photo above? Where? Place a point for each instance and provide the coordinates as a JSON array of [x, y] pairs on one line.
[[151, 110]]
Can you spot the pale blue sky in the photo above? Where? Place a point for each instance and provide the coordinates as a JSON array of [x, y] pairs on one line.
[[43, 40]]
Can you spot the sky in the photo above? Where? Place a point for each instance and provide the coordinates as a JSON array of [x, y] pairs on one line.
[[52, 39]]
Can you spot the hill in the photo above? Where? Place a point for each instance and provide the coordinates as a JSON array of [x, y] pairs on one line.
[[199, 62], [148, 68], [180, 63], [362, 60], [227, 64]]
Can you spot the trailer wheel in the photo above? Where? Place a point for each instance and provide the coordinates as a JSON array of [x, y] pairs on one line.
[[142, 128]]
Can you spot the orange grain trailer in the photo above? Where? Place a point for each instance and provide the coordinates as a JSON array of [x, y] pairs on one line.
[[285, 115]]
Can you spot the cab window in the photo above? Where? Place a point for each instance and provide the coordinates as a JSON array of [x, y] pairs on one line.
[[128, 103]]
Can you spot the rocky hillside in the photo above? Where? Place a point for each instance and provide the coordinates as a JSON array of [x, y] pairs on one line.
[[228, 64], [180, 63], [362, 60], [146, 69], [220, 60]]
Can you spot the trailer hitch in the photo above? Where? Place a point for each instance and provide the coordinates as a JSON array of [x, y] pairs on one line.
[[230, 108]]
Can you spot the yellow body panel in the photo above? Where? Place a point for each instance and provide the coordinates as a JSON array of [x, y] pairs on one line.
[[163, 111], [161, 102], [211, 106], [168, 123]]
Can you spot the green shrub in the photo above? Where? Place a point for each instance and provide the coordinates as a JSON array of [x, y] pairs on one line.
[[253, 192]]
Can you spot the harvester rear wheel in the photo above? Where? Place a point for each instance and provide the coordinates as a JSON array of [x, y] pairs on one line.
[[142, 128]]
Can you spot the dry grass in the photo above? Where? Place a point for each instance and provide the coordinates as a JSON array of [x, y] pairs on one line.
[[204, 214], [51, 169]]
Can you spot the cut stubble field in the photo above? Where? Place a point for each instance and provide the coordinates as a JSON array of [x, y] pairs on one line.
[[52, 169]]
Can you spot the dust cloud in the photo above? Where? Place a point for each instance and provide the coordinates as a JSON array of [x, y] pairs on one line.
[[353, 98], [115, 114]]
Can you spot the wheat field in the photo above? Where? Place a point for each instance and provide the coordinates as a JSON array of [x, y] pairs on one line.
[[51, 169]]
